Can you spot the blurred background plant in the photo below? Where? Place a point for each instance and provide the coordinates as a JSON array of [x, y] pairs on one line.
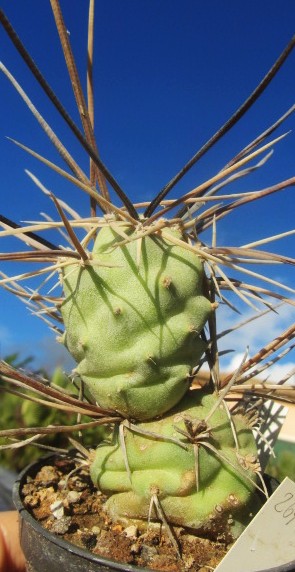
[[17, 412], [283, 464]]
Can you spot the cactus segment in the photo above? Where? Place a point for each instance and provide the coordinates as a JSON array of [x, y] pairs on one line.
[[158, 466], [134, 327]]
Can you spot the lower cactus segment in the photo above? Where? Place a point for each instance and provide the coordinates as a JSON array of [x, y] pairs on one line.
[[133, 318], [201, 477]]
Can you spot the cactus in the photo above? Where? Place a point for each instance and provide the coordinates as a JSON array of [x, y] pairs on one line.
[[191, 465], [144, 373], [155, 332], [137, 311]]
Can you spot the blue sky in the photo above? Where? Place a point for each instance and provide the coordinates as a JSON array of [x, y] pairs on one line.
[[168, 73]]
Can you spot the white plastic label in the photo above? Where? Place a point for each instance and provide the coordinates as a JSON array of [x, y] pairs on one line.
[[269, 540]]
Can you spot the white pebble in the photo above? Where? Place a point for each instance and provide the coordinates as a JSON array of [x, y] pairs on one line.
[[57, 509], [131, 531]]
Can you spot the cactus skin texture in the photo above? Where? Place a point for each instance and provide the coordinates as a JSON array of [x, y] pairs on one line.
[[222, 504], [134, 327]]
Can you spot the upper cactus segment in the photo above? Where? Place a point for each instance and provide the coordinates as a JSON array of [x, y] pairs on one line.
[[133, 319]]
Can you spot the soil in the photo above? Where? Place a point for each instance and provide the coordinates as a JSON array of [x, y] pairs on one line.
[[63, 499]]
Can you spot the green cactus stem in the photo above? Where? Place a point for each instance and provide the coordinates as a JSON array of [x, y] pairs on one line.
[[133, 318], [205, 482]]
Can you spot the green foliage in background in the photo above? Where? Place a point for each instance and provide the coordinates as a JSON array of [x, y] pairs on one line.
[[283, 464], [17, 412]]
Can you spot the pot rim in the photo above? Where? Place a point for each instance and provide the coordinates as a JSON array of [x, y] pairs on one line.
[[81, 552], [54, 538]]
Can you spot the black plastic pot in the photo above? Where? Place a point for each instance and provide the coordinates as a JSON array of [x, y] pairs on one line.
[[46, 552]]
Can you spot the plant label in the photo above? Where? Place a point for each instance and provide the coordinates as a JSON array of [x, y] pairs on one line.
[[269, 540]]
